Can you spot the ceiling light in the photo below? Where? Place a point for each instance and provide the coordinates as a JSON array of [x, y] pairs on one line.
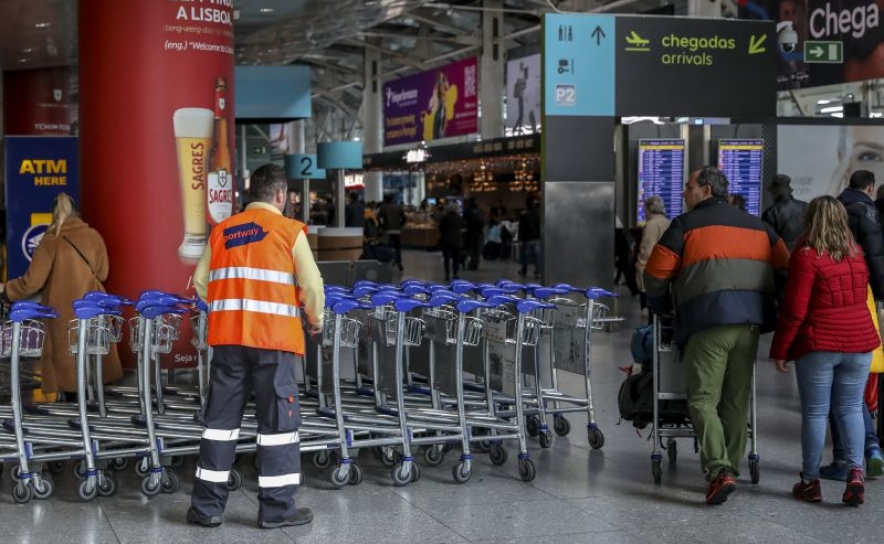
[[27, 50], [266, 10], [831, 109], [43, 25], [23, 60]]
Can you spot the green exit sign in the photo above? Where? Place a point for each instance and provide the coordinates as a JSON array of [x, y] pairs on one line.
[[823, 52]]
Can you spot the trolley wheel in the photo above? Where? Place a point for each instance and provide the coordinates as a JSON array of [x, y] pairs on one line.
[[107, 484], [340, 476], [527, 472], [177, 461], [498, 454], [657, 470], [119, 464], [150, 486], [433, 456], [561, 425], [545, 439], [672, 450], [595, 438], [415, 471], [461, 473], [532, 426], [388, 457], [234, 480], [141, 467], [87, 489], [170, 482], [55, 467], [400, 478], [21, 493], [322, 460], [754, 471], [355, 474], [80, 470], [43, 487], [16, 472]]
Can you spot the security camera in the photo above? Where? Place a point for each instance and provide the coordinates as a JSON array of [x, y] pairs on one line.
[[787, 37]]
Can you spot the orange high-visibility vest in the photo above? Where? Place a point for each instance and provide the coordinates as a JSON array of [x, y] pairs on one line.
[[253, 297]]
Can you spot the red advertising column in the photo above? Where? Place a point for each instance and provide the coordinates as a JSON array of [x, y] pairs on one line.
[[156, 84]]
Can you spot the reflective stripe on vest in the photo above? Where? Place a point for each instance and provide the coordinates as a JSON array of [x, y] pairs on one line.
[[257, 306], [249, 273]]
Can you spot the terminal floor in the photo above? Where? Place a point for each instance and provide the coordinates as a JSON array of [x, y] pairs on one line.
[[580, 495]]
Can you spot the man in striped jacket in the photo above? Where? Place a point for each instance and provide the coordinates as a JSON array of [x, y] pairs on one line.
[[716, 263]]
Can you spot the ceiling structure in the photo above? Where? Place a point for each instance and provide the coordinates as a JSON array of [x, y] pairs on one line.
[[331, 36]]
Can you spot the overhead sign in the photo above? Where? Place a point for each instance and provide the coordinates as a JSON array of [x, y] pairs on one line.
[[303, 167], [37, 169], [823, 52], [625, 65]]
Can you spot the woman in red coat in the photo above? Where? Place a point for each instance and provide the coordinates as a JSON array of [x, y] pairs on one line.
[[826, 328]]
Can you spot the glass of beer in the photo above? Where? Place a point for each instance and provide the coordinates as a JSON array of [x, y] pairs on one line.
[[193, 138]]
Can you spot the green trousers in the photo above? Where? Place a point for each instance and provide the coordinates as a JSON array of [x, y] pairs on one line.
[[719, 362]]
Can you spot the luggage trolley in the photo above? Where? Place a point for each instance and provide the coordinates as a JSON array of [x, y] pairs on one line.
[[503, 331], [570, 329], [23, 336], [670, 385]]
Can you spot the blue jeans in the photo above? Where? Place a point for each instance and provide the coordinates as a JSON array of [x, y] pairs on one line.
[[530, 254], [836, 381], [871, 436]]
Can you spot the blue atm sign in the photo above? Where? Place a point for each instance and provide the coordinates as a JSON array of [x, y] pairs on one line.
[[37, 169]]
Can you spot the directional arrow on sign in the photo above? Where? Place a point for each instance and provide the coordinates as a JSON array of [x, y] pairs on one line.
[[816, 52], [756, 44], [598, 34]]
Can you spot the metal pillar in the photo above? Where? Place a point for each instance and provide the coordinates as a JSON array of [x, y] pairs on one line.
[[373, 123], [297, 145], [492, 66]]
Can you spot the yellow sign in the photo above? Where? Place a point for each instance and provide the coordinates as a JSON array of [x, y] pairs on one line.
[[756, 44], [40, 167]]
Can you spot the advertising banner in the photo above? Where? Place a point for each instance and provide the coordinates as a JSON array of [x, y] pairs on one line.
[[820, 159], [38, 103], [37, 169], [156, 120], [523, 95], [440, 103], [823, 42]]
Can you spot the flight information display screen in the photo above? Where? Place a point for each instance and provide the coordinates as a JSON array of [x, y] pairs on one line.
[[661, 173], [741, 161]]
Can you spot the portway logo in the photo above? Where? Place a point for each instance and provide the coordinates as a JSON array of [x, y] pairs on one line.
[[31, 240], [244, 234]]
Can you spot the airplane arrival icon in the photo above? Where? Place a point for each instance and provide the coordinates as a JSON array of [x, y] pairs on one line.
[[638, 43]]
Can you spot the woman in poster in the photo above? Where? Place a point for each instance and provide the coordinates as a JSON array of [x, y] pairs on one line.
[[440, 108]]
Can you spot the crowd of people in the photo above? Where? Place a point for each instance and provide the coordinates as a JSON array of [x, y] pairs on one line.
[[810, 273]]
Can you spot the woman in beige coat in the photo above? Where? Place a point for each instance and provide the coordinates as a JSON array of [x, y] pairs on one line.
[[655, 226], [70, 261]]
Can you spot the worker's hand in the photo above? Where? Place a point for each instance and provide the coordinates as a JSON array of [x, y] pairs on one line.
[[315, 330], [781, 365]]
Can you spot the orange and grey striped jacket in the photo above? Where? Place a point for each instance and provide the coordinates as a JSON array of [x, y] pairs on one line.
[[719, 263], [252, 294]]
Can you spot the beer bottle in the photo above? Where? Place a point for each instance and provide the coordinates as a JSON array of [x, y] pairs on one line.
[[219, 196]]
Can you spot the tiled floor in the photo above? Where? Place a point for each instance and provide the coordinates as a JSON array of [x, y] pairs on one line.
[[580, 495]]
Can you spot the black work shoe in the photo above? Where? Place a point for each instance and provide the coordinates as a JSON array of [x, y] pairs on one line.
[[196, 519], [302, 516]]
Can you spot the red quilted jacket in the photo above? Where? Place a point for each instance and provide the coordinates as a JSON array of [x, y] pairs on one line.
[[825, 307]]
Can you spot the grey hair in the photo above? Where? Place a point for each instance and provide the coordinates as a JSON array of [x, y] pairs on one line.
[[655, 204], [714, 178]]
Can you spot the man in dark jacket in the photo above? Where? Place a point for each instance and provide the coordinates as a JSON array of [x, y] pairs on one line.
[[475, 238], [719, 263], [786, 214], [355, 211], [529, 236], [391, 217], [865, 224], [451, 228]]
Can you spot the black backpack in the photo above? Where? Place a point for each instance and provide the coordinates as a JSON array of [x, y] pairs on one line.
[[636, 403]]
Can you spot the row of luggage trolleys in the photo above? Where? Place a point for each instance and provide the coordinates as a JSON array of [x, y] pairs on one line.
[[372, 332]]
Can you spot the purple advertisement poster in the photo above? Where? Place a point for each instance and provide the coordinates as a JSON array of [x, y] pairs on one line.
[[441, 103]]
